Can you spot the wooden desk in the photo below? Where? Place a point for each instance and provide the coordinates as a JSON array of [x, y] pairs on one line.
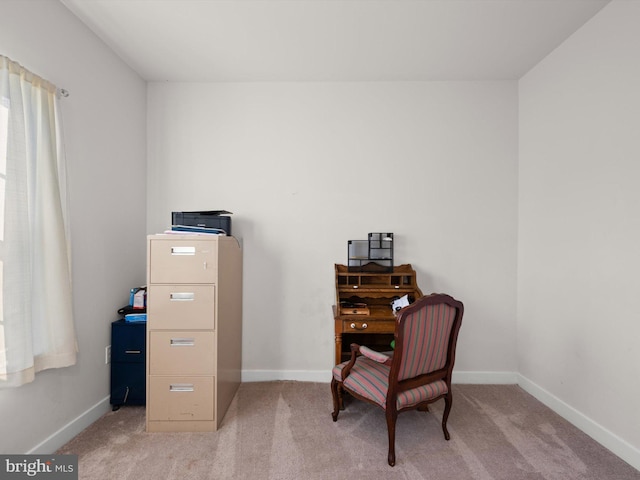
[[375, 289]]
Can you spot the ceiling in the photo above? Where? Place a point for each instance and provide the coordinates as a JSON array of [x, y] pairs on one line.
[[333, 40]]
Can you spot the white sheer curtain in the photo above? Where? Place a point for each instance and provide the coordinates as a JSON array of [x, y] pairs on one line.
[[36, 319]]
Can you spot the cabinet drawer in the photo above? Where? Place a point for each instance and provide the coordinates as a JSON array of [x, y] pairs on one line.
[[128, 385], [368, 326], [128, 342], [181, 306], [183, 261], [178, 352], [181, 398]]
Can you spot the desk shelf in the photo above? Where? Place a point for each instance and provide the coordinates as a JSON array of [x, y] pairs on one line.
[[377, 249]]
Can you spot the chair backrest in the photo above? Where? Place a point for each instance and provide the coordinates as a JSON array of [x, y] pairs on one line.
[[426, 335]]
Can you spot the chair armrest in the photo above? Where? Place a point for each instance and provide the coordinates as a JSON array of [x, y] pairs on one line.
[[375, 356], [356, 351]]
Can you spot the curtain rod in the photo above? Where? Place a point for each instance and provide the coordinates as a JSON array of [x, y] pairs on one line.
[[63, 92]]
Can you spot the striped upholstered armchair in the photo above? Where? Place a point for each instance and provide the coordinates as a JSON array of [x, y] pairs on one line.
[[416, 374]]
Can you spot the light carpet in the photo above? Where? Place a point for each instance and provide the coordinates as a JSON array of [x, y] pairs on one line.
[[283, 430]]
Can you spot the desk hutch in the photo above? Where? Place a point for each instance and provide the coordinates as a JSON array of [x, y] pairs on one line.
[[362, 313]]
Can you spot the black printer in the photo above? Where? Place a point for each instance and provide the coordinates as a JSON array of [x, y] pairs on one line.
[[218, 219]]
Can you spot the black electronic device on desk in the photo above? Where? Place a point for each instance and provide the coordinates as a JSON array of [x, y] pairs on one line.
[[128, 356], [205, 219]]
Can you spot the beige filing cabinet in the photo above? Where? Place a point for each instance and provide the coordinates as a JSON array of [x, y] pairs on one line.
[[194, 329]]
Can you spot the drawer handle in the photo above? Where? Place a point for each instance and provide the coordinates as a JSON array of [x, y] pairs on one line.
[[181, 387], [182, 296], [133, 352], [183, 250], [355, 327], [183, 342]]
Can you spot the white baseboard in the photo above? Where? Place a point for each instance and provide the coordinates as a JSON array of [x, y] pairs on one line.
[[484, 378], [606, 438], [318, 376], [71, 429], [324, 376]]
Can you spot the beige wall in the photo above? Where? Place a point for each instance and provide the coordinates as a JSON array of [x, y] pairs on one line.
[[305, 167], [104, 122], [579, 228]]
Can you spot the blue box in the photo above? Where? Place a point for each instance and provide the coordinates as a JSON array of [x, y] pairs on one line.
[[135, 317]]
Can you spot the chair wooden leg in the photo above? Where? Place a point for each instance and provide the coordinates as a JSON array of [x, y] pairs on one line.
[[447, 408], [336, 399], [391, 427]]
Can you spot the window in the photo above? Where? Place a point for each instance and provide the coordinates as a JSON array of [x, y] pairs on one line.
[[4, 126], [36, 322]]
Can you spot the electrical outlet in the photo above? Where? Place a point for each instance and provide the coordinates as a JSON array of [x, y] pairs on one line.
[[107, 354]]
